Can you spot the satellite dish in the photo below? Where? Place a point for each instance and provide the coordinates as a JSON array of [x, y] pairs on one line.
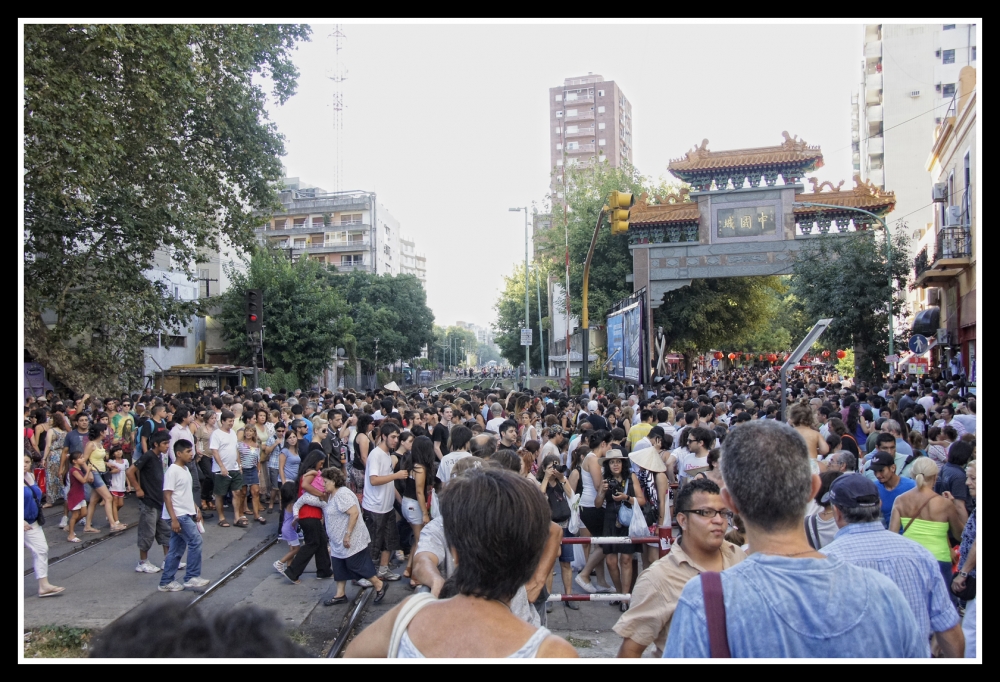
[[341, 353]]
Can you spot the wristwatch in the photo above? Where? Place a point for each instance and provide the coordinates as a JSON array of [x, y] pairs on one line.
[[963, 574]]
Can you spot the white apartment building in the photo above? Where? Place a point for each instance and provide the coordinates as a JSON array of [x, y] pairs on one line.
[[412, 262]]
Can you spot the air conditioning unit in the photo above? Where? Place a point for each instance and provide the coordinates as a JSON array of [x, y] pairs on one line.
[[939, 192], [938, 87], [953, 216], [937, 53], [914, 93]]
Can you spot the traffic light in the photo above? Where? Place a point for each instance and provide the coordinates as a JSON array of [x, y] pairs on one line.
[[619, 204], [254, 300]]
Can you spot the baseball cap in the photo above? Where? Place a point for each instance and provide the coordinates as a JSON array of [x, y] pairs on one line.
[[881, 459], [852, 490], [591, 406]]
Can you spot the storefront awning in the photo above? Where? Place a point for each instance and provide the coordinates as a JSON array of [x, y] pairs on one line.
[[927, 321]]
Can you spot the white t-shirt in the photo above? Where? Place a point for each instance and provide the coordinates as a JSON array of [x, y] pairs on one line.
[[177, 479], [927, 401], [378, 498], [550, 448], [118, 479], [494, 424], [448, 463], [177, 433], [225, 443], [690, 464]]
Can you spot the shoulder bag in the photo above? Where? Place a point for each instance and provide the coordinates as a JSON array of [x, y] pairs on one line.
[[715, 614], [625, 511], [38, 504], [406, 614]]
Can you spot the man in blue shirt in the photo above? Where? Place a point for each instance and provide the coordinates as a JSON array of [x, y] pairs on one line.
[[863, 541], [890, 441], [889, 484], [787, 600]]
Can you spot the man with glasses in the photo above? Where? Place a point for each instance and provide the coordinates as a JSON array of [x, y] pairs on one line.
[[704, 520]]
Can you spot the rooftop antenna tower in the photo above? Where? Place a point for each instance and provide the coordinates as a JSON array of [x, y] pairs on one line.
[[338, 75]]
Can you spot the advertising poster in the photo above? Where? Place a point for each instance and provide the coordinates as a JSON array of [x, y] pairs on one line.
[[616, 350], [632, 340]]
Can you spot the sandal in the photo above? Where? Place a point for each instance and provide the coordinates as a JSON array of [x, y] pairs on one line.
[[261, 520], [74, 540], [224, 524], [242, 523]]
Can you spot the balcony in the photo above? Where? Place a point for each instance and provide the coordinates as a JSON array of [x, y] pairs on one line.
[[580, 149], [876, 146], [581, 132], [876, 177], [578, 101], [269, 231], [874, 114], [952, 255], [581, 115], [351, 267], [873, 50], [873, 89]]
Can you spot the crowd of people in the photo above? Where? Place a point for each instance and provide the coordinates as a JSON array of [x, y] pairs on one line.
[[860, 492]]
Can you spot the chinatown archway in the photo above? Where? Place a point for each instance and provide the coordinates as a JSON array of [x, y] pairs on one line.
[[738, 220]]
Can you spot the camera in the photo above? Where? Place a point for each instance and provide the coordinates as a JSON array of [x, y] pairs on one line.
[[614, 487], [561, 468]]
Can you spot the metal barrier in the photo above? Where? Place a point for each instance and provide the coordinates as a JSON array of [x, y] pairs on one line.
[[663, 539]]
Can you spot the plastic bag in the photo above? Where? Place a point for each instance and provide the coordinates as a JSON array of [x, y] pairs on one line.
[[575, 524], [579, 558], [637, 527]]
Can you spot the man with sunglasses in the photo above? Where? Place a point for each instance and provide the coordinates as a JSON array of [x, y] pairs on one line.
[[704, 519]]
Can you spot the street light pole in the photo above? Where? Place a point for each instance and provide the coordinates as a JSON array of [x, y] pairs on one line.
[[527, 299], [888, 255]]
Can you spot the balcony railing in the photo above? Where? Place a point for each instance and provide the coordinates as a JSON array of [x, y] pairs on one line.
[[953, 243], [920, 263], [580, 149], [581, 115], [581, 132], [306, 228]]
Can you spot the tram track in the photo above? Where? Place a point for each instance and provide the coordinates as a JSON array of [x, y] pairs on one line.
[[89, 544]]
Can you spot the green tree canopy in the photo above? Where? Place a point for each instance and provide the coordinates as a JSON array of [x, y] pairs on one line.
[[390, 308], [139, 138], [847, 278], [510, 314], [305, 318]]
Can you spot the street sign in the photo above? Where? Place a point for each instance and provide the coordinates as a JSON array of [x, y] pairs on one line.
[[892, 359], [918, 366], [942, 335], [526, 337], [918, 344], [715, 363]]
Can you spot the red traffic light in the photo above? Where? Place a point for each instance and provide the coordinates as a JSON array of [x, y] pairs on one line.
[[253, 318]]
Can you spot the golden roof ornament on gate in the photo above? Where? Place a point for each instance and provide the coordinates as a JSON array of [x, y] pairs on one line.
[[702, 168]]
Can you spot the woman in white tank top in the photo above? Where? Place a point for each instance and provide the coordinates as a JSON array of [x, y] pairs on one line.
[[591, 516], [498, 525]]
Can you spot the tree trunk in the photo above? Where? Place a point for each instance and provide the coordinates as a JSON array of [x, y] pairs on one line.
[[55, 357]]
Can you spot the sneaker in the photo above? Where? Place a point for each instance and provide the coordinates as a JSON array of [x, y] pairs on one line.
[[606, 588], [172, 586], [63, 522], [146, 567], [195, 582], [388, 575], [585, 586], [294, 582], [362, 582], [572, 605], [279, 567], [163, 565], [400, 557]]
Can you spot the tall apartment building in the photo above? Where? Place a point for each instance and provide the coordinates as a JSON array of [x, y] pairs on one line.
[[589, 118], [909, 77], [350, 230], [411, 261]]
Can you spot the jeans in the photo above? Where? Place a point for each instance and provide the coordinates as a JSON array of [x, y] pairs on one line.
[[190, 538]]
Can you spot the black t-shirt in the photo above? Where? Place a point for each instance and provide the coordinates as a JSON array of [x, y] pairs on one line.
[[598, 422], [440, 435], [149, 429], [150, 466]]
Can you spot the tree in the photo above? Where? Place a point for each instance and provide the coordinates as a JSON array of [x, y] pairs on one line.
[[390, 308], [139, 139], [510, 316], [786, 324], [717, 313], [847, 278], [305, 318]]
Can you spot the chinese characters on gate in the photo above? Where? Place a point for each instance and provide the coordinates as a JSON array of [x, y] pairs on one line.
[[752, 221]]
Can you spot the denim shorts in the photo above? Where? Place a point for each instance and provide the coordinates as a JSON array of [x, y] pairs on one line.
[[251, 476], [410, 510]]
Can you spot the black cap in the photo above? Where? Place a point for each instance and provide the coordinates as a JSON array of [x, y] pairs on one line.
[[852, 490], [881, 459]]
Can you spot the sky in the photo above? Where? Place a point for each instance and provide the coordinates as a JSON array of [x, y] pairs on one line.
[[449, 124]]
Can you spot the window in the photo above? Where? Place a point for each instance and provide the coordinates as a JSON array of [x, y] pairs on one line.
[[558, 146], [558, 130], [352, 259], [559, 162], [280, 224], [386, 250], [602, 142], [949, 27], [299, 244], [600, 110], [572, 129], [600, 93], [571, 112], [948, 57], [388, 232], [571, 96], [973, 57], [350, 218], [176, 342], [600, 126], [572, 146], [320, 259], [151, 341], [559, 98], [298, 222], [948, 89], [317, 222]]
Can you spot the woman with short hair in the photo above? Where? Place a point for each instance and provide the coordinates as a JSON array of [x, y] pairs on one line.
[[496, 524]]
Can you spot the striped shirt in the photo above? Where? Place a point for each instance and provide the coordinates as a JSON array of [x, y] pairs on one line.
[[908, 564]]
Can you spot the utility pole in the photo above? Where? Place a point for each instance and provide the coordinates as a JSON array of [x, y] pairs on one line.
[[541, 334]]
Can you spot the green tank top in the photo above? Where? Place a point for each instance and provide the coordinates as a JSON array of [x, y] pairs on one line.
[[931, 534]]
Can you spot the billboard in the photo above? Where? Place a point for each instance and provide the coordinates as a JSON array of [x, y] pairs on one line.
[[625, 341]]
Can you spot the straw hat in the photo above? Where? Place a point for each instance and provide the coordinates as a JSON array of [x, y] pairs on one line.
[[391, 386], [612, 454], [649, 459]]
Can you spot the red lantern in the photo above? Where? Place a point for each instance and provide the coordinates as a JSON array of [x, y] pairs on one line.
[[761, 358], [732, 356], [772, 357], [841, 354], [826, 354], [718, 355]]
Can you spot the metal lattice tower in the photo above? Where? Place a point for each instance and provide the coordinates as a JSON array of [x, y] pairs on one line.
[[338, 75]]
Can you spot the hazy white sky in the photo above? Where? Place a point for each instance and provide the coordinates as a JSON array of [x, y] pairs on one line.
[[449, 123]]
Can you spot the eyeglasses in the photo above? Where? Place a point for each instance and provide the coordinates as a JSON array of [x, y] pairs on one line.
[[708, 513]]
